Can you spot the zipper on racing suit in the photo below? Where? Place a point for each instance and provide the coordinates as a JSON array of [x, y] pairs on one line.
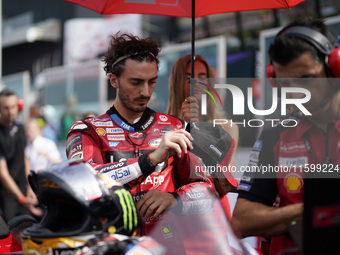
[[137, 154]]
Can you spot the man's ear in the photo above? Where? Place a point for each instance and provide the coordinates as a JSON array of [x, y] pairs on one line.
[[114, 80]]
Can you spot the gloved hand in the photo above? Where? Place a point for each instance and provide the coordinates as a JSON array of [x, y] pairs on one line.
[[128, 218]]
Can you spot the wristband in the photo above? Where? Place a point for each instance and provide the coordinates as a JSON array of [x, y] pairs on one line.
[[150, 161], [145, 165], [22, 199], [179, 206]]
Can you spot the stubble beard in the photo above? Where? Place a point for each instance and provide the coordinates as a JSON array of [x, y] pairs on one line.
[[127, 102], [7, 120]]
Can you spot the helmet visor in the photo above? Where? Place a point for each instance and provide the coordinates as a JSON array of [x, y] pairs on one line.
[[75, 177]]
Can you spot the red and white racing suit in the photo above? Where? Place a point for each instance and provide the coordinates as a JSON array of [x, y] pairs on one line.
[[293, 152], [119, 150]]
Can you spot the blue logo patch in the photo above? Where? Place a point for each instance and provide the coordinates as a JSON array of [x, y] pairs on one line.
[[244, 187], [258, 145], [121, 123], [113, 144], [121, 173]]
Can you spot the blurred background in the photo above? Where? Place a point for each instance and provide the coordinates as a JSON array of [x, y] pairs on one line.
[[51, 53]]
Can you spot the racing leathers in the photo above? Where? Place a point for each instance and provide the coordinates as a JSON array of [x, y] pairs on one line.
[[279, 161], [119, 150]]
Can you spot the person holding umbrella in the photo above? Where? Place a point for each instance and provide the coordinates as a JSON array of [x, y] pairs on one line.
[[186, 105], [303, 55], [182, 105]]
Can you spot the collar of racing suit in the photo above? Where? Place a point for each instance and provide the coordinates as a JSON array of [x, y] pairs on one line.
[[138, 125]]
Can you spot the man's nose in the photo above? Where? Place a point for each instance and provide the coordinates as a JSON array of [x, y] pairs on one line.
[[145, 90], [13, 111]]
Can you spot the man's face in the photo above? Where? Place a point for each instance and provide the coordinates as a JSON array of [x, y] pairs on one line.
[[305, 72], [8, 109], [135, 85], [32, 130]]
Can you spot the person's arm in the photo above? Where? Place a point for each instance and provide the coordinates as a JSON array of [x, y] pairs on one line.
[[190, 110], [27, 166], [8, 182], [30, 196], [182, 201], [155, 202], [195, 194], [31, 200], [174, 143], [51, 159], [195, 198], [51, 153], [10, 185], [254, 213], [256, 219], [85, 146]]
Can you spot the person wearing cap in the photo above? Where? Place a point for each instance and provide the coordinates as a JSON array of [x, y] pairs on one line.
[[147, 151], [15, 196], [295, 56]]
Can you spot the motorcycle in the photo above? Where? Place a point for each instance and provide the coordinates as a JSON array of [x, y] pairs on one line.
[[189, 236], [87, 213]]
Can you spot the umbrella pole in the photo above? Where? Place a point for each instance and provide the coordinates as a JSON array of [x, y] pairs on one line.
[[192, 46]]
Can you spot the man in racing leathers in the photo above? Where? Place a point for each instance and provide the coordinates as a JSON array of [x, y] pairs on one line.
[[288, 152], [145, 150]]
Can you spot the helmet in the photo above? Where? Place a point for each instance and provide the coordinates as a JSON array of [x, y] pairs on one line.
[[80, 205], [118, 245]]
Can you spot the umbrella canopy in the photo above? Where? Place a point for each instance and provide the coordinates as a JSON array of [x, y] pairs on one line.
[[182, 8]]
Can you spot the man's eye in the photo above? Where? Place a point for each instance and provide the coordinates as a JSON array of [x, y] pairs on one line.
[[304, 81], [281, 82]]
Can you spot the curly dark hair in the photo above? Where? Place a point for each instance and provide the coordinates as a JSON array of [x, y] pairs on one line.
[[129, 46], [285, 49]]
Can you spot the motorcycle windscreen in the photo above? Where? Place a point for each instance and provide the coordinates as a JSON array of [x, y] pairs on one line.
[[206, 230]]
